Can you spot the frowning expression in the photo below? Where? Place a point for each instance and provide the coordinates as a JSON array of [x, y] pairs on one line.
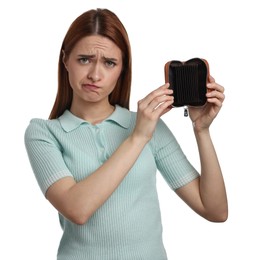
[[94, 66]]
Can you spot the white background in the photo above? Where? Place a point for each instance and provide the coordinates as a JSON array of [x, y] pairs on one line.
[[219, 31]]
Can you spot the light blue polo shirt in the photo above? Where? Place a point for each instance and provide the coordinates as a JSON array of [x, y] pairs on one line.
[[128, 225]]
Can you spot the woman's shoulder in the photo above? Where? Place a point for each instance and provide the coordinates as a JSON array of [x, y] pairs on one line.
[[39, 127], [35, 123]]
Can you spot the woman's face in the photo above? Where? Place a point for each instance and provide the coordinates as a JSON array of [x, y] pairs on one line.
[[94, 66]]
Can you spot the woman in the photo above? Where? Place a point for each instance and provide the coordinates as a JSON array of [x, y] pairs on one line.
[[96, 161]]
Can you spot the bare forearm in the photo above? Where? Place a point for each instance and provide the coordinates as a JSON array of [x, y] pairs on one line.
[[88, 195], [212, 187]]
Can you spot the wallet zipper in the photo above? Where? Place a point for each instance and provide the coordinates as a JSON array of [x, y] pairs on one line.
[[186, 113]]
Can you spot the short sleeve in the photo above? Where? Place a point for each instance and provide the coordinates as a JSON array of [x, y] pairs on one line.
[[44, 154], [170, 159]]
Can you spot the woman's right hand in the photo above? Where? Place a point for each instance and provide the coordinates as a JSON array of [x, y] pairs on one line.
[[150, 109]]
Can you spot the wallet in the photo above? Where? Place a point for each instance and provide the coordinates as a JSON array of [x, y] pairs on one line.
[[188, 80]]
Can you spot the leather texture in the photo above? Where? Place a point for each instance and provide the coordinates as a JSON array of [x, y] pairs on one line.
[[188, 80]]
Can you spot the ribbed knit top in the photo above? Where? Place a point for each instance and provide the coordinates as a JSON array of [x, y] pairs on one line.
[[128, 225]]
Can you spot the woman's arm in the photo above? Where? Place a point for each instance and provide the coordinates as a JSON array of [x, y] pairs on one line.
[[78, 201], [207, 194]]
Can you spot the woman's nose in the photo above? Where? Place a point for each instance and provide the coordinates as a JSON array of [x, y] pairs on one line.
[[94, 73]]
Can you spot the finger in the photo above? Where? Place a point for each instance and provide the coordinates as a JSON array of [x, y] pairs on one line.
[[211, 79], [161, 91], [158, 101], [217, 102], [216, 98], [216, 94], [163, 108], [166, 85], [215, 86]]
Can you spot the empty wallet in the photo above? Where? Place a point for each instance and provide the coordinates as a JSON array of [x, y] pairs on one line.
[[188, 80]]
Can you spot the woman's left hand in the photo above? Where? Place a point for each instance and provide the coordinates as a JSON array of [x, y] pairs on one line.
[[202, 117]]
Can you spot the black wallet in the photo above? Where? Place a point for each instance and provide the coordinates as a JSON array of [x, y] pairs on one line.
[[188, 80]]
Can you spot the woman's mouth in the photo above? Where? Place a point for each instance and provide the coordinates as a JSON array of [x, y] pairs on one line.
[[90, 87]]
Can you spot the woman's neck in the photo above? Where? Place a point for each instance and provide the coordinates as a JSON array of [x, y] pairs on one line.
[[94, 113]]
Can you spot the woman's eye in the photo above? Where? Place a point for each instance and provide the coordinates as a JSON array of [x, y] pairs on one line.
[[83, 60], [110, 63]]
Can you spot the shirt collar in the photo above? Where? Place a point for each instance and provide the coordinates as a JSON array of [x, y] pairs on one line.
[[121, 116]]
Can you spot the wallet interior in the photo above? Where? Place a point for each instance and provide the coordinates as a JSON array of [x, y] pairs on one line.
[[188, 80]]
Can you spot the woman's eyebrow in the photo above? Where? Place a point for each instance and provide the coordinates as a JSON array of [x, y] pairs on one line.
[[92, 56], [111, 59], [86, 56]]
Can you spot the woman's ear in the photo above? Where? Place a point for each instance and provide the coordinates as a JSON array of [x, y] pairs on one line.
[[64, 60]]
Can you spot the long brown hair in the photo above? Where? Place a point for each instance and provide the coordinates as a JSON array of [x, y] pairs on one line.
[[94, 22]]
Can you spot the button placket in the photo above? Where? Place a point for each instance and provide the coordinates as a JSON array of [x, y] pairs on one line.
[[99, 140]]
